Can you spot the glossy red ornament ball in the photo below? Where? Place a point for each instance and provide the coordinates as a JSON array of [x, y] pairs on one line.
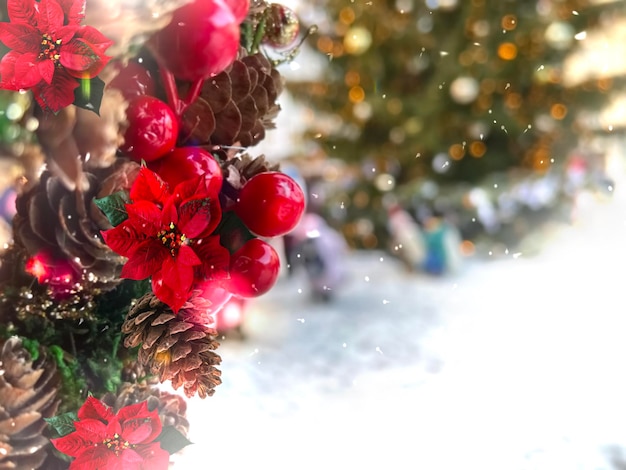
[[239, 8], [201, 40], [270, 204], [184, 163], [254, 269], [152, 129], [132, 79]]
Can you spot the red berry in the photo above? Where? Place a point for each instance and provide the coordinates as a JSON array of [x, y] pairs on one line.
[[270, 204], [201, 40], [184, 163], [133, 80], [254, 269], [152, 129]]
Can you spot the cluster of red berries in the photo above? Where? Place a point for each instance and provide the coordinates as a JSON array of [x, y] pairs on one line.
[[201, 41]]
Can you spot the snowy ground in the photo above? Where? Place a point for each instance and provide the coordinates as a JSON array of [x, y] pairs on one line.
[[513, 364]]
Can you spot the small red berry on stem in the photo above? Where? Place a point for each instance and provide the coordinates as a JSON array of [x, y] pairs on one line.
[[254, 269], [270, 204], [152, 129]]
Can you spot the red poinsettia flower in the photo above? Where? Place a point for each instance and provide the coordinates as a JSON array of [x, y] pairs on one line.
[[103, 439], [167, 235], [50, 50]]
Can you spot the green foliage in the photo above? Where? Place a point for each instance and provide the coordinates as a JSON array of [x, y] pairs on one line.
[[172, 440], [62, 424], [234, 232], [114, 206], [88, 94], [74, 385]]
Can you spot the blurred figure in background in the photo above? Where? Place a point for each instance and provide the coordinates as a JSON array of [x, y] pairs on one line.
[[407, 240], [322, 251], [443, 242]]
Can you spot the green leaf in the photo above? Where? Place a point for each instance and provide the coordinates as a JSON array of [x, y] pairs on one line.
[[88, 94], [233, 232], [62, 424], [114, 206], [172, 440]]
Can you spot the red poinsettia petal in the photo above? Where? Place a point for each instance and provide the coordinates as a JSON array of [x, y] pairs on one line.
[[74, 10], [51, 17], [7, 71], [194, 217], [95, 38], [149, 186], [124, 238], [130, 459], [81, 59], [215, 258], [154, 458], [20, 37], [145, 217], [91, 430], [95, 409], [66, 33], [146, 260], [187, 257], [170, 213], [27, 73], [172, 284], [192, 188], [175, 299], [21, 11], [139, 425], [96, 458], [59, 94], [46, 70], [73, 444]]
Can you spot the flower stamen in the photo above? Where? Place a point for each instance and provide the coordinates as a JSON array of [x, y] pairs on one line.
[[116, 444], [50, 49], [172, 239]]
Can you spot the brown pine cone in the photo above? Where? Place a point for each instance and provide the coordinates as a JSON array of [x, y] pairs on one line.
[[65, 224], [172, 408], [236, 106], [28, 394], [173, 349], [239, 169]]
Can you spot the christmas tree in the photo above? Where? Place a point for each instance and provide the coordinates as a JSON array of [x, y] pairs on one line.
[[139, 212], [450, 92]]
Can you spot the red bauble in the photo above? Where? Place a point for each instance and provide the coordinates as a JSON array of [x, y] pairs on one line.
[[152, 129], [201, 40], [184, 163], [239, 8], [133, 80], [270, 204], [254, 269]]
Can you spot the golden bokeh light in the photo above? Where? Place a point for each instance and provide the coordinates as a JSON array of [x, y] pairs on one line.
[[356, 94], [456, 151], [347, 16], [509, 22], [507, 51], [558, 111], [352, 78], [477, 149]]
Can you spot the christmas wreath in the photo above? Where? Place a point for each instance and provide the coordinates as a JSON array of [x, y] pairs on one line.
[[144, 216]]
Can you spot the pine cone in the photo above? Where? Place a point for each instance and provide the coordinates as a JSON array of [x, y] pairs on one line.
[[236, 106], [28, 394], [237, 170], [65, 224], [173, 349], [172, 408]]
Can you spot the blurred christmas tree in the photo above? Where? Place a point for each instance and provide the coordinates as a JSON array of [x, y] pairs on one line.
[[451, 91]]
